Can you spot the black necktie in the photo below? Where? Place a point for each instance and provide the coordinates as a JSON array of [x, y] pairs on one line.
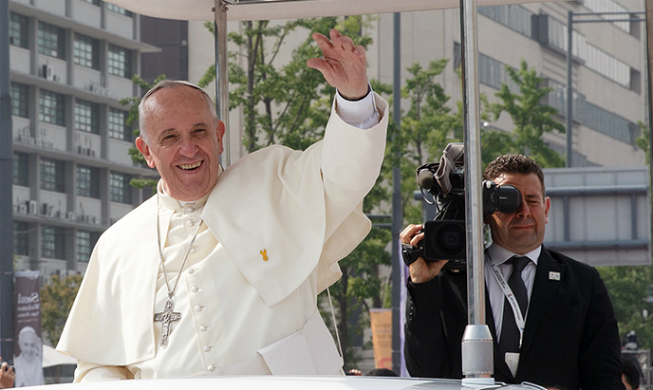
[[509, 341]]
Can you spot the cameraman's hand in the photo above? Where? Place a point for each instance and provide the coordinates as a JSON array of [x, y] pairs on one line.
[[7, 376], [421, 271]]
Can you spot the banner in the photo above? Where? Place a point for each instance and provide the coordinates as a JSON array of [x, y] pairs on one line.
[[381, 322], [28, 346]]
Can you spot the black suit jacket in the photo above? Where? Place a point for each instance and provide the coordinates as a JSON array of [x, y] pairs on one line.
[[570, 341]]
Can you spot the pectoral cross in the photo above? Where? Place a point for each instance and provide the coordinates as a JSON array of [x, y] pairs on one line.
[[167, 317]]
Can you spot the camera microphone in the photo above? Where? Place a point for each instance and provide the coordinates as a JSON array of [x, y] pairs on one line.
[[425, 179]]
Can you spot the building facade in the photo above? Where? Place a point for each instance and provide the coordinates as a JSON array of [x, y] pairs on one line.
[[608, 70], [71, 62]]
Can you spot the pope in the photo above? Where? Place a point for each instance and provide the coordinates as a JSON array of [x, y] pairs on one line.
[[218, 273]]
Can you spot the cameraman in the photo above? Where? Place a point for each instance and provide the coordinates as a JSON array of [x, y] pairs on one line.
[[570, 337]]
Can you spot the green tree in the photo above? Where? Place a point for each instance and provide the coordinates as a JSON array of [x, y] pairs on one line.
[[426, 128], [283, 103], [531, 119], [57, 298], [631, 291], [644, 141]]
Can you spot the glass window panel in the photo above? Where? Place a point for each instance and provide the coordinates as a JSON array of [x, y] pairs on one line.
[[52, 108], [117, 125], [88, 183], [119, 61], [20, 162], [21, 238], [51, 40], [53, 242], [18, 30], [86, 117], [85, 243], [119, 188], [19, 98], [118, 10], [85, 51], [52, 175]]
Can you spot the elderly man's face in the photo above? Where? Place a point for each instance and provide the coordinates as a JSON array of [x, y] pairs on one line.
[[522, 231], [28, 346], [184, 142]]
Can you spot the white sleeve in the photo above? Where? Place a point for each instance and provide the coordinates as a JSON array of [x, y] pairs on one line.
[[88, 372], [362, 113]]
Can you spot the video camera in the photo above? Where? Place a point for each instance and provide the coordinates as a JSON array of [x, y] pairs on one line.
[[445, 236]]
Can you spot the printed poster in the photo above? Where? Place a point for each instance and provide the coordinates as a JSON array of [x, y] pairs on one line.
[[28, 345], [381, 322]]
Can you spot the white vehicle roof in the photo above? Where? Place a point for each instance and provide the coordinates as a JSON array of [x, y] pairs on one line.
[[285, 383], [288, 9]]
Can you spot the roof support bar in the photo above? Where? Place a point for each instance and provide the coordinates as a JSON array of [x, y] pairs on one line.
[[477, 354], [221, 77]]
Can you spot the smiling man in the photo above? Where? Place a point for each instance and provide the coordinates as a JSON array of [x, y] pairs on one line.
[[218, 273], [562, 333]]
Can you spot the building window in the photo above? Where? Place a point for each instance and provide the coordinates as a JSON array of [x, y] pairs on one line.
[[85, 51], [117, 126], [53, 242], [19, 96], [515, 17], [51, 40], [94, 2], [594, 58], [21, 175], [119, 187], [18, 30], [85, 243], [52, 108], [53, 177], [591, 115], [119, 61], [88, 181], [118, 10], [86, 117], [21, 238]]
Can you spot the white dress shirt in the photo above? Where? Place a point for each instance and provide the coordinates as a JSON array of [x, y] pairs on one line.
[[498, 255]]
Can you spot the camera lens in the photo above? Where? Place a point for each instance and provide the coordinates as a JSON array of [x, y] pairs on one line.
[[451, 239], [444, 240]]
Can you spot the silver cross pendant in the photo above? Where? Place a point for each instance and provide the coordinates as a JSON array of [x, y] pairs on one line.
[[167, 317]]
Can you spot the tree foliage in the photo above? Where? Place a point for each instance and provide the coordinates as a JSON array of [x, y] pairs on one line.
[[57, 298], [283, 103], [631, 292], [643, 141], [426, 128], [531, 119]]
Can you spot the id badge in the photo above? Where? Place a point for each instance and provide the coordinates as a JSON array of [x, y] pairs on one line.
[[512, 360]]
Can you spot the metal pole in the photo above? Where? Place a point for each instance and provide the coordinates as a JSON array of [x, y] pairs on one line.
[[221, 77], [6, 183], [397, 211], [570, 91], [649, 54], [477, 354]]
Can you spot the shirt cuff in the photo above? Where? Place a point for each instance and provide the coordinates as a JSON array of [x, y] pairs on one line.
[[359, 113]]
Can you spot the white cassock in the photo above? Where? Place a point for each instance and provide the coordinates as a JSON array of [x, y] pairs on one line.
[[275, 225]]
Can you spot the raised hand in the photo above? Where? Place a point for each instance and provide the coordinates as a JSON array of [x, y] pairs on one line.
[[344, 66]]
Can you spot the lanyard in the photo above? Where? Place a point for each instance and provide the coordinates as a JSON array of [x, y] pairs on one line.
[[507, 292]]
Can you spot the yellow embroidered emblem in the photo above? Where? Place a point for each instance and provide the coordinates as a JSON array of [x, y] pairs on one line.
[[264, 253]]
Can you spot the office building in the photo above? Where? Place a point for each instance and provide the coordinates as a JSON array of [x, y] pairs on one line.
[[71, 63]]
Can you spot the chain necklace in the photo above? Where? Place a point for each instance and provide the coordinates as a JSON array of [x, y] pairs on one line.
[[167, 316]]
